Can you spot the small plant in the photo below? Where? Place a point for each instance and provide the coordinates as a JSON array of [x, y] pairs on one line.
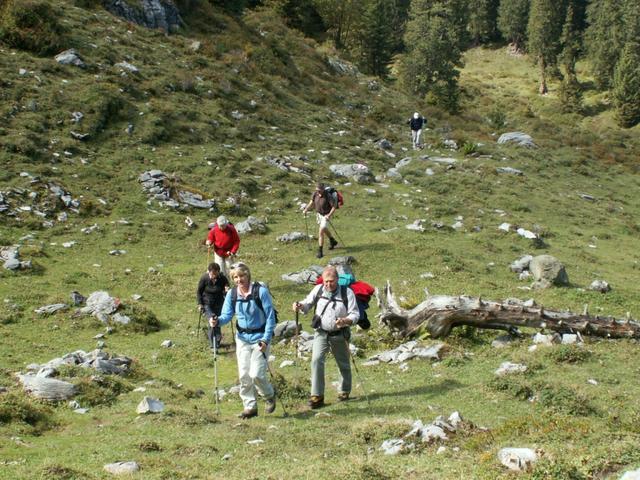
[[101, 390], [569, 354], [548, 469], [497, 117], [20, 409], [58, 472], [31, 25], [469, 148]]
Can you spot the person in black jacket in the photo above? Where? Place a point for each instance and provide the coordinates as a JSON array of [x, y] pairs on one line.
[[416, 123], [212, 288]]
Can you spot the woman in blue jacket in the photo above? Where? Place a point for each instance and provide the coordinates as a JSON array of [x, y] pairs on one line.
[[255, 321]]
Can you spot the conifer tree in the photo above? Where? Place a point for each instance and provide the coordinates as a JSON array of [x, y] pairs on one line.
[[340, 16], [434, 38], [376, 39], [605, 37], [571, 40], [544, 30], [513, 16], [483, 18], [626, 81]]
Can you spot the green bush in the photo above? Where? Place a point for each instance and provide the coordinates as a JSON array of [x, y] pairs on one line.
[[32, 25], [18, 408], [142, 319]]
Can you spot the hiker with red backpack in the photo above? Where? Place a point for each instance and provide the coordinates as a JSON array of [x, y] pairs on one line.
[[224, 240], [325, 200], [335, 311], [252, 306]]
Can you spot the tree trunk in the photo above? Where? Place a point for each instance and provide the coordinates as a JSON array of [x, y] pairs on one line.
[[441, 313], [543, 79]]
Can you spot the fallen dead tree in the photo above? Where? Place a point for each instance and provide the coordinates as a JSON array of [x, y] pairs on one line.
[[439, 314]]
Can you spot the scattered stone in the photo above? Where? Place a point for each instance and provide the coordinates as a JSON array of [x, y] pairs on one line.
[[168, 192], [592, 381], [286, 329], [342, 260], [442, 160], [393, 446], [117, 252], [76, 117], [408, 351], [502, 341], [547, 271], [127, 66], [526, 233], [51, 309], [512, 171], [355, 171], [518, 459], [251, 224], [120, 318], [416, 226], [599, 286], [403, 163], [150, 405], [570, 338], [292, 237], [308, 275], [521, 264], [153, 14], [100, 305], [286, 363], [167, 344], [288, 163], [547, 340], [518, 138], [385, 144], [79, 136], [49, 389], [257, 441], [70, 57], [342, 67], [507, 368], [586, 196], [69, 244], [122, 468]]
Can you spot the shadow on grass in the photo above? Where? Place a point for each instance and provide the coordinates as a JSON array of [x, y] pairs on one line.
[[375, 405]]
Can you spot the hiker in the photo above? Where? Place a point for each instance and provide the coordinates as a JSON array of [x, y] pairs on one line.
[[225, 241], [416, 123], [332, 322], [255, 321], [324, 207], [210, 296]]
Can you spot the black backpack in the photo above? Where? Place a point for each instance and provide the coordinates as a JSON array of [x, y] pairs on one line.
[[254, 295], [363, 320]]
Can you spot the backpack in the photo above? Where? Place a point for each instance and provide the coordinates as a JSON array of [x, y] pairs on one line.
[[254, 295], [363, 320], [335, 197]]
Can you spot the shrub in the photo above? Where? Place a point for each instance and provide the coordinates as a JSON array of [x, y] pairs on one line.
[[18, 408], [569, 354], [142, 319], [101, 390], [31, 25]]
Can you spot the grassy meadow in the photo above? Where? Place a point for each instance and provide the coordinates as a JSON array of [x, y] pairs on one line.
[[180, 105]]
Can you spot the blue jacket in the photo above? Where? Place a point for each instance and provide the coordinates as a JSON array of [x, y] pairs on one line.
[[249, 316]]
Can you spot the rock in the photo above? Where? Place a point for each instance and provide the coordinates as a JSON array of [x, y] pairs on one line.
[[77, 299], [507, 368], [47, 388], [393, 173], [79, 136], [195, 46], [342, 67], [12, 264], [117, 252], [548, 340], [286, 363], [51, 309], [570, 338], [518, 459], [443, 160], [631, 475], [76, 117], [167, 344], [521, 264], [599, 286], [153, 14], [150, 405], [194, 200], [341, 260], [120, 318], [512, 171], [122, 468], [416, 226], [502, 341], [100, 303], [403, 163], [393, 446], [385, 144], [292, 237], [526, 233], [69, 57], [251, 224], [518, 138], [127, 66], [547, 271], [357, 172], [285, 329]]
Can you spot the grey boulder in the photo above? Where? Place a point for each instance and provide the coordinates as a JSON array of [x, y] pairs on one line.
[[520, 139], [547, 270]]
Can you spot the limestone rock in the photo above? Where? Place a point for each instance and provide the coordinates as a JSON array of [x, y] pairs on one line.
[[547, 271], [507, 368], [47, 388], [292, 237], [251, 224], [518, 138], [150, 405], [70, 57], [161, 14], [518, 459], [601, 286], [51, 309], [355, 171], [122, 468]]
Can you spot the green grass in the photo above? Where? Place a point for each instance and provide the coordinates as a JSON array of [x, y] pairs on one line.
[[186, 130]]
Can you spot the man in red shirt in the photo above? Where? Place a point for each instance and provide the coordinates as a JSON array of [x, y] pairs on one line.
[[225, 241]]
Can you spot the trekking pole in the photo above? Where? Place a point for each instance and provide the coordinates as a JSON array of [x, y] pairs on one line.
[[273, 380], [199, 318], [337, 234], [297, 337], [359, 378], [208, 256], [215, 373]]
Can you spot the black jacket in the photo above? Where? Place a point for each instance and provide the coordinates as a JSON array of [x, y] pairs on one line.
[[417, 123], [212, 293]]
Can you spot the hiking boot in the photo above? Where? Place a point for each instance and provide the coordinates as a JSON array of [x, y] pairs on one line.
[[248, 413], [316, 401], [319, 254], [332, 243], [270, 405], [343, 396]]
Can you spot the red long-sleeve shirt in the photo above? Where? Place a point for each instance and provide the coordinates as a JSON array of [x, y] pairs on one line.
[[224, 241]]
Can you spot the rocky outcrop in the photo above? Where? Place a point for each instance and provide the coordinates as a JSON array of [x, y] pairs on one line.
[[162, 14]]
